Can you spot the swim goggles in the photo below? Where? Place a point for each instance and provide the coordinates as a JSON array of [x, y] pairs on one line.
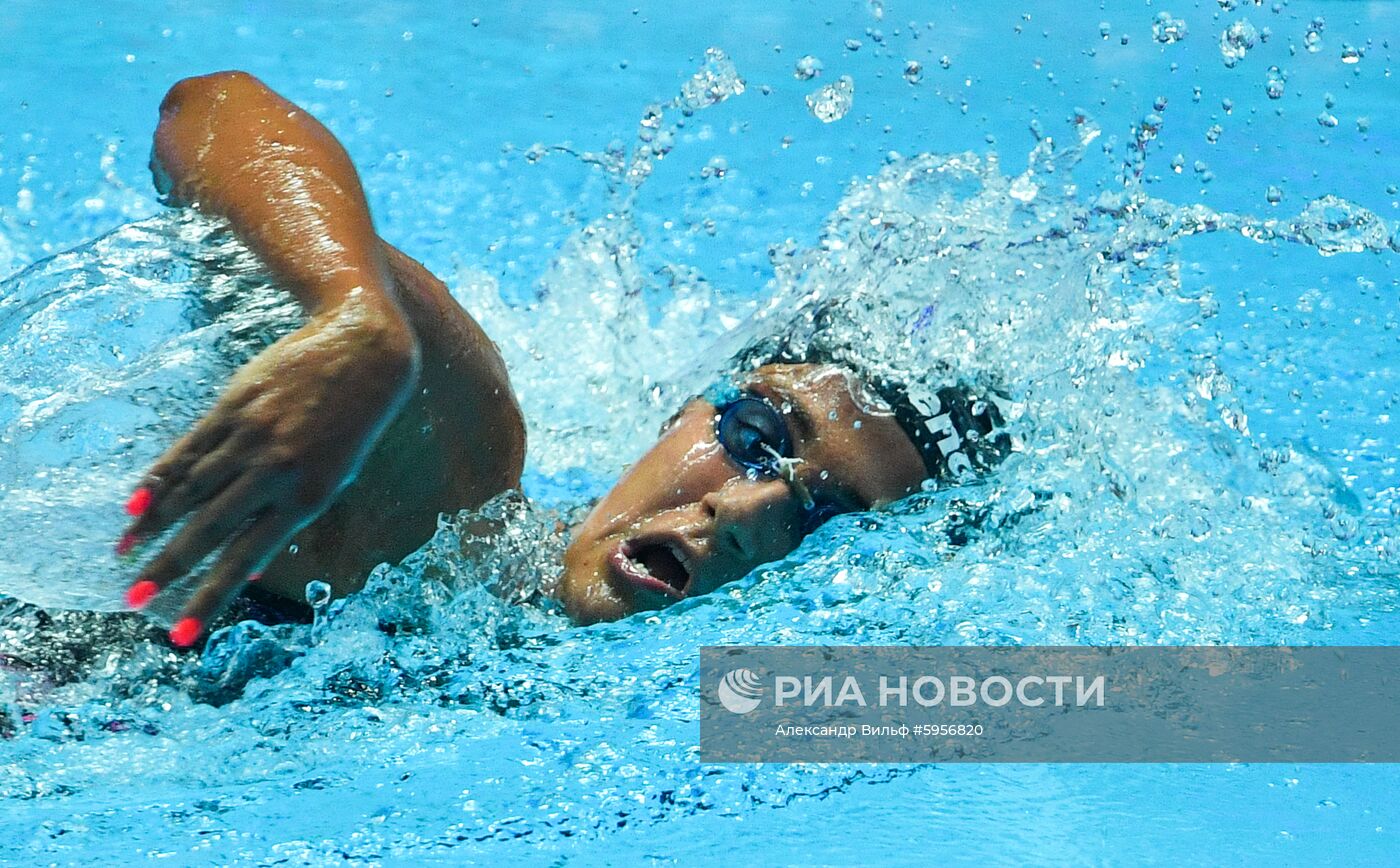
[[755, 436]]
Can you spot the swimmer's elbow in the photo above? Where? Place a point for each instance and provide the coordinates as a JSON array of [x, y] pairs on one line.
[[399, 351]]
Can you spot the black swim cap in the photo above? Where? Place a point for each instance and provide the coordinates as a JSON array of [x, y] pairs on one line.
[[957, 434]]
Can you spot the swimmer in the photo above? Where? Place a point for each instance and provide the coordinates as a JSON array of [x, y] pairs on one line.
[[337, 447]]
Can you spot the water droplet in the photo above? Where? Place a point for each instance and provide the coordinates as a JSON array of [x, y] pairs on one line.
[[717, 167], [1350, 54], [1274, 82], [1236, 41], [1326, 119], [1228, 105], [1105, 29], [1274, 195], [1328, 100], [1344, 526], [1199, 528], [1213, 134], [1178, 162], [831, 102], [716, 81], [1227, 5], [913, 71], [945, 61], [853, 45], [476, 22], [318, 594], [1363, 125], [1159, 104], [1167, 29], [806, 68], [1312, 39]]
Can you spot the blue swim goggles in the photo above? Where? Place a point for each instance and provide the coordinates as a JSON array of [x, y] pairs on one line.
[[755, 436]]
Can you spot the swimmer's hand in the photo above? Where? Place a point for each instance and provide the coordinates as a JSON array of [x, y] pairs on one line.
[[292, 429]]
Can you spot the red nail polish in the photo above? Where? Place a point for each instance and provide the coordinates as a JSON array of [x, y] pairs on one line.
[[139, 594], [185, 631], [140, 502], [255, 577], [126, 544]]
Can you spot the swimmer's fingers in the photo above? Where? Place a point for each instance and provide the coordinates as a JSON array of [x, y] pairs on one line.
[[148, 505], [203, 479], [246, 555], [206, 530]]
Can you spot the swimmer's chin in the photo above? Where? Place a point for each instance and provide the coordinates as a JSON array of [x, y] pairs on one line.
[[586, 592], [591, 600]]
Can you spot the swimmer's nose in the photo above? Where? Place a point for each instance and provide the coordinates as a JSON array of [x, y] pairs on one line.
[[755, 520]]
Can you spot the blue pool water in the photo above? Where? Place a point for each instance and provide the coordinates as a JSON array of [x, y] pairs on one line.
[[1185, 270]]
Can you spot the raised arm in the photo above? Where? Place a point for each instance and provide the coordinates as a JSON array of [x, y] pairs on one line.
[[386, 357]]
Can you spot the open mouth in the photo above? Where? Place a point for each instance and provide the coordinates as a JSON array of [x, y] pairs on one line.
[[660, 567]]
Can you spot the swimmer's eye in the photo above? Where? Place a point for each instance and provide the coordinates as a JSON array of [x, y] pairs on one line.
[[751, 430]]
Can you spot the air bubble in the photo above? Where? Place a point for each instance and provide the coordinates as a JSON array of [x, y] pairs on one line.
[[1213, 134], [1326, 119], [1178, 163], [1275, 82], [945, 61], [913, 71], [807, 68], [1274, 195], [1350, 54], [831, 102], [853, 45]]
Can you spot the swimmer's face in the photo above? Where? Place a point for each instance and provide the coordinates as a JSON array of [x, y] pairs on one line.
[[689, 517]]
